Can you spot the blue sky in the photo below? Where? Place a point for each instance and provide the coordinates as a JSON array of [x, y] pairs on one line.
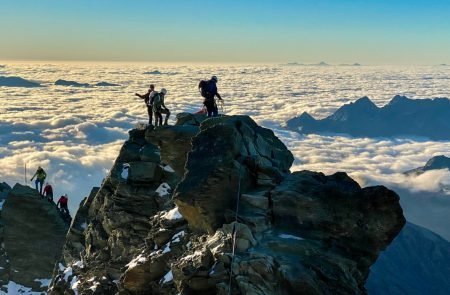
[[344, 31]]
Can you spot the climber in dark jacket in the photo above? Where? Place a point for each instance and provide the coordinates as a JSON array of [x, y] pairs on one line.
[[62, 203], [148, 99], [211, 93], [48, 192]]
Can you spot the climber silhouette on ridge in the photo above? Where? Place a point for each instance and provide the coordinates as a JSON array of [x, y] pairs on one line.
[[208, 89], [148, 99]]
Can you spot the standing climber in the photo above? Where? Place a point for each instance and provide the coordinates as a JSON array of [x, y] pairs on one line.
[[48, 192], [62, 203], [208, 90], [148, 99], [160, 108], [40, 178]]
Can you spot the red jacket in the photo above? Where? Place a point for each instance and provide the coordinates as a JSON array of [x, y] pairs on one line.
[[63, 201], [48, 190]]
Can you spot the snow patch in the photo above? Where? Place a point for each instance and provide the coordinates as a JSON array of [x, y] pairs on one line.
[[167, 278], [168, 169], [74, 284], [176, 237], [125, 169], [173, 214], [163, 190], [83, 225], [286, 236], [14, 288], [44, 282], [1, 204], [136, 261]]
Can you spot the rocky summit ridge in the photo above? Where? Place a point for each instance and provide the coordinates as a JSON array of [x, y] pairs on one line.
[[180, 200]]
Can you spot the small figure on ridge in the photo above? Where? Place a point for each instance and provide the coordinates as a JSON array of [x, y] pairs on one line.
[[160, 108], [148, 99], [40, 178], [48, 192], [208, 89], [62, 203]]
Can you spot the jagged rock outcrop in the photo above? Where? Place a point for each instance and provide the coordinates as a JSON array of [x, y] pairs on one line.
[[164, 220], [32, 235], [417, 262], [400, 117]]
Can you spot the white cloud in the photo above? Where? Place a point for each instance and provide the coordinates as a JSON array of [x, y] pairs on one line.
[[76, 133]]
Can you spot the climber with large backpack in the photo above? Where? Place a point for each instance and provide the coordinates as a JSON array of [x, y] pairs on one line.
[[148, 99], [160, 108], [208, 89]]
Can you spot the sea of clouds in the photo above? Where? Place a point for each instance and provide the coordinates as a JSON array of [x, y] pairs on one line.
[[75, 133]]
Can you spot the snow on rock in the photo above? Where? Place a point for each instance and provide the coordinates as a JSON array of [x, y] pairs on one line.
[[124, 173], [136, 261], [84, 225], [67, 273], [74, 284], [167, 168], [1, 204], [163, 190], [14, 288], [176, 237], [44, 282], [94, 286], [167, 278], [286, 236], [78, 264], [172, 214]]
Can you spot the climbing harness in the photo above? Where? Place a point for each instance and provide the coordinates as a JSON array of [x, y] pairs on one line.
[[234, 232]]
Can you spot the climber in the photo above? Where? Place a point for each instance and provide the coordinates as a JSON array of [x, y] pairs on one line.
[[40, 178], [208, 90], [160, 108], [148, 99], [62, 202], [48, 192]]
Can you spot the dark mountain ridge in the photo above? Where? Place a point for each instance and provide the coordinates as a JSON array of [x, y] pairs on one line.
[[402, 116]]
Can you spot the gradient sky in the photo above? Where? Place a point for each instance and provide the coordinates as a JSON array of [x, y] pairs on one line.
[[337, 31]]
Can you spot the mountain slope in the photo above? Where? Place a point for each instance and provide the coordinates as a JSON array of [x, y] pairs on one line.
[[417, 262]]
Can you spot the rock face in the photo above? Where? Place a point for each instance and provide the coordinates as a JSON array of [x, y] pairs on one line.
[[401, 116], [179, 197], [417, 262], [32, 236]]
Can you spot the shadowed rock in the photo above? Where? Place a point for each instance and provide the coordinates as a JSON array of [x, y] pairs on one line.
[[417, 262], [301, 231], [33, 234]]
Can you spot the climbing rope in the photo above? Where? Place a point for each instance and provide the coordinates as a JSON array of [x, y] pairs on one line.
[[222, 105], [234, 232]]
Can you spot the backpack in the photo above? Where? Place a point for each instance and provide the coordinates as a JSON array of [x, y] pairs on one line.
[[157, 101], [207, 88]]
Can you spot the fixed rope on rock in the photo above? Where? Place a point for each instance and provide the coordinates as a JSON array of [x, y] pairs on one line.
[[234, 231]]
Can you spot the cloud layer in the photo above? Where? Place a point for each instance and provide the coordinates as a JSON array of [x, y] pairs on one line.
[[75, 133]]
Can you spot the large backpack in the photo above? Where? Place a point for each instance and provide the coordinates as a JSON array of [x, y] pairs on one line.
[[157, 101], [207, 88]]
